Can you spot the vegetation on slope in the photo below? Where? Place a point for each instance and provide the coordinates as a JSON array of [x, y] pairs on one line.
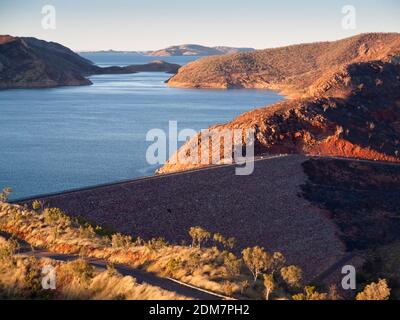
[[21, 277], [292, 69], [258, 274]]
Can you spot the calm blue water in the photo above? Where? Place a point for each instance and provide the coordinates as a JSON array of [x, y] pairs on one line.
[[62, 138]]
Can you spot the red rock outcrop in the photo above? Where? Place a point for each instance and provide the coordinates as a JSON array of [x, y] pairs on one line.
[[349, 106]]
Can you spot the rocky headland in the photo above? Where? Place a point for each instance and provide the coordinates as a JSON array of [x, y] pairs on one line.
[[344, 98], [33, 63]]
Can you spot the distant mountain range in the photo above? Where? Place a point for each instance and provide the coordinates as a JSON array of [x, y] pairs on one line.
[[197, 50], [33, 63], [181, 50], [114, 51]]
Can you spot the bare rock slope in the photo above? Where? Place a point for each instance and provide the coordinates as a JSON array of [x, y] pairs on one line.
[[29, 62], [346, 99]]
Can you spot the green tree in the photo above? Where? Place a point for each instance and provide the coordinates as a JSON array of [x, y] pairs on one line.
[[199, 235], [257, 260], [375, 291], [292, 276], [269, 285]]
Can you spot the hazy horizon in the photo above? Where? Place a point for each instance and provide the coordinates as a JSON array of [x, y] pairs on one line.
[[123, 25]]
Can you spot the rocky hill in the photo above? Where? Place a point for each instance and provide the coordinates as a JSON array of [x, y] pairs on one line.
[[33, 63], [197, 50], [290, 69], [29, 62], [346, 99]]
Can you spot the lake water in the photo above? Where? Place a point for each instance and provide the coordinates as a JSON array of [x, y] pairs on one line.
[[71, 137]]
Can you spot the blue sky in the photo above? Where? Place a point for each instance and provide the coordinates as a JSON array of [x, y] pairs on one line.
[[154, 24]]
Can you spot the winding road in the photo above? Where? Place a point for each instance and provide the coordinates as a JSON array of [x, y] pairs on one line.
[[141, 277]]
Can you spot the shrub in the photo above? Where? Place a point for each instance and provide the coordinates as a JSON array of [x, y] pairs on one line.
[[375, 291], [119, 297], [232, 264], [100, 230], [5, 194], [81, 270], [37, 205], [193, 262], [120, 241], [55, 232], [7, 249], [32, 276], [219, 238], [111, 271], [230, 243], [157, 244], [54, 216], [87, 232], [173, 265], [310, 293], [333, 293], [292, 276], [139, 242], [228, 288], [199, 235], [278, 262], [226, 243]]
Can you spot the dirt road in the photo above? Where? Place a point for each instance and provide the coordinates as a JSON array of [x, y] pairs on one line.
[[140, 276]]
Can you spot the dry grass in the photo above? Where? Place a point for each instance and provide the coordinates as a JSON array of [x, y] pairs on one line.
[[56, 232], [20, 277], [207, 268]]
